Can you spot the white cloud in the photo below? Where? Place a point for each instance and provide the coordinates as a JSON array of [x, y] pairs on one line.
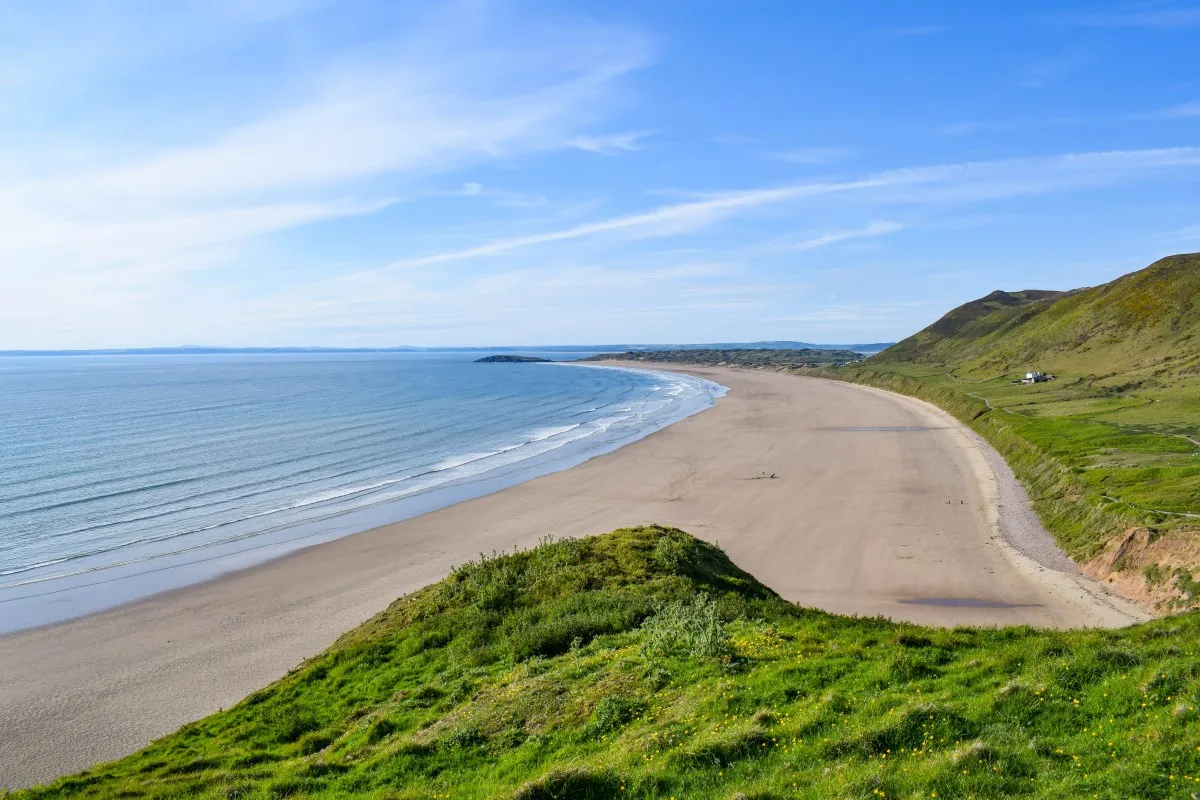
[[69, 246], [1052, 68], [520, 305], [970, 181], [914, 31], [858, 314], [136, 222], [609, 145], [663, 221], [958, 128], [877, 228], [1188, 234], [1140, 18], [990, 180], [373, 119], [1181, 111], [816, 155], [545, 286]]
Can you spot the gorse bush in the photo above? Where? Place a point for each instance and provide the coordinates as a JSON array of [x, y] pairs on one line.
[[689, 627], [643, 664]]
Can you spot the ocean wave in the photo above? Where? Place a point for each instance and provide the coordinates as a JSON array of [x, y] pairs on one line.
[[600, 423]]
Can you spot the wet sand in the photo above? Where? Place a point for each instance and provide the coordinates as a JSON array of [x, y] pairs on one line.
[[841, 497]]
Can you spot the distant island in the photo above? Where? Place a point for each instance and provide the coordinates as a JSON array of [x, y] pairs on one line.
[[740, 357], [510, 360]]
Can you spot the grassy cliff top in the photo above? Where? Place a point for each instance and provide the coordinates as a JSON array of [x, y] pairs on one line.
[[644, 664], [1145, 323]]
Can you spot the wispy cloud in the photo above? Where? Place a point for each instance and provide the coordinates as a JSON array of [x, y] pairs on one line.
[[1180, 111], [735, 140], [521, 301], [970, 181], [132, 219], [1189, 234], [662, 221], [816, 155], [1133, 17], [504, 197], [911, 31], [959, 128], [1050, 69], [877, 228], [1013, 177], [611, 144], [1017, 123], [395, 116], [855, 313]]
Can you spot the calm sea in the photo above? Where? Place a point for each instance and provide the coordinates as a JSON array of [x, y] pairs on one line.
[[113, 469]]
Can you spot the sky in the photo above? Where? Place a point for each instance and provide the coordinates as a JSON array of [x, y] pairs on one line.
[[376, 173]]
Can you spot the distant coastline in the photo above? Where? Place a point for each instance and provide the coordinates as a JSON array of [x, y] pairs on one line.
[[184, 350], [741, 357]]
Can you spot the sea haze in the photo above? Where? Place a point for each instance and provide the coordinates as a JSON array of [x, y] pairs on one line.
[[125, 475]]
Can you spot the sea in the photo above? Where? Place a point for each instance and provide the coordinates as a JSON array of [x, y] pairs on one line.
[[122, 476]]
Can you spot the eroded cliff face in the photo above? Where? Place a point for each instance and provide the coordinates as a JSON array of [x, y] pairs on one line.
[[1157, 571]]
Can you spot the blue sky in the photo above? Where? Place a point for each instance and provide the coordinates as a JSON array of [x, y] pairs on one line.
[[381, 173]]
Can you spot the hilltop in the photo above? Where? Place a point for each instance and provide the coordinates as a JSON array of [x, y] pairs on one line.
[[644, 664], [970, 324], [1141, 324]]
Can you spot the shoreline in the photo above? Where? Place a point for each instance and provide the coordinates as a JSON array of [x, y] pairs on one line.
[[1018, 533], [857, 519], [40, 603]]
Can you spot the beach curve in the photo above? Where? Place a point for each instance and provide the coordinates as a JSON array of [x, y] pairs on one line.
[[838, 497]]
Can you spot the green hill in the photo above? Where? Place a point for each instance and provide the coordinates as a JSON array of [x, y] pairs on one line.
[[1141, 324], [987, 317], [644, 664]]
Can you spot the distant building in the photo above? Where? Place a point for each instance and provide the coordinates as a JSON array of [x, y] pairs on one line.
[[1035, 377]]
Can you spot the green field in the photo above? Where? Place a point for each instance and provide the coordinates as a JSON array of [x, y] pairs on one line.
[[1127, 448], [644, 664]]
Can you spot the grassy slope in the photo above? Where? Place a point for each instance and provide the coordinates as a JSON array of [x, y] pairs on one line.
[[980, 320], [1111, 446], [1142, 325], [597, 668]]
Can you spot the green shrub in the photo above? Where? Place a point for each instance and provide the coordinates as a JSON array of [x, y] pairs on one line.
[[612, 713], [690, 627]]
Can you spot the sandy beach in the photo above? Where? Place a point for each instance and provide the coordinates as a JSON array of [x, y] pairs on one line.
[[840, 497]]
